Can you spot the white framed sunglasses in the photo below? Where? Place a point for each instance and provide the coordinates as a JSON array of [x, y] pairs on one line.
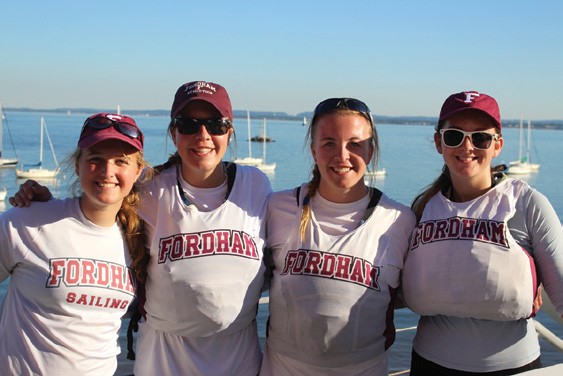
[[453, 138]]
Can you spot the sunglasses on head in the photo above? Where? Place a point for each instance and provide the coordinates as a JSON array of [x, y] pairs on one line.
[[100, 122], [332, 104], [216, 126], [453, 138]]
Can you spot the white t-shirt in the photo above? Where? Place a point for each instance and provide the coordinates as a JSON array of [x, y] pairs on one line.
[[484, 345], [70, 284], [331, 304], [205, 275]]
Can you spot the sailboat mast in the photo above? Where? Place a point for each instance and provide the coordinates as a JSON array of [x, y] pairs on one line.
[[248, 126], [51, 146], [41, 142], [6, 162], [521, 138], [264, 143], [529, 141], [1, 117]]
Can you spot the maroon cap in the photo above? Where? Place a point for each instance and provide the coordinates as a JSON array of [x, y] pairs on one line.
[[212, 93], [104, 126], [471, 100]]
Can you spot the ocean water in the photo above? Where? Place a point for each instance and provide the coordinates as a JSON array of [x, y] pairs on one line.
[[406, 152]]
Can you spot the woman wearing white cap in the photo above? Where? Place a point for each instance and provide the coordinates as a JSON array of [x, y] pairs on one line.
[[483, 243], [71, 262]]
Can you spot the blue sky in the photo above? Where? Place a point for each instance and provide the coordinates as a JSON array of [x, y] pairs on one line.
[[400, 57]]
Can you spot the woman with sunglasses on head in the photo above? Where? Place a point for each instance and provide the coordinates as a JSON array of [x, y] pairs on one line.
[[71, 262], [337, 249], [205, 227], [482, 244]]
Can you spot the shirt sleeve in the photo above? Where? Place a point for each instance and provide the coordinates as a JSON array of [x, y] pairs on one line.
[[8, 258], [537, 228], [5, 253]]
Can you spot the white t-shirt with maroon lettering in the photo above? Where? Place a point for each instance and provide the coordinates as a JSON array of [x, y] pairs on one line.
[[205, 275], [331, 294], [70, 284], [469, 274]]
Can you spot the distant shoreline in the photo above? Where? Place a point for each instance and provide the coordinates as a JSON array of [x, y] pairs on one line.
[[270, 115]]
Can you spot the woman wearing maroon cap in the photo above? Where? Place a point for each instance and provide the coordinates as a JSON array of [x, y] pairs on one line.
[[205, 274], [482, 244], [205, 227], [70, 261]]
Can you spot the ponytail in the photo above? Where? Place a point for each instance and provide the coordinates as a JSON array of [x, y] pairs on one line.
[[174, 159], [441, 184], [312, 190]]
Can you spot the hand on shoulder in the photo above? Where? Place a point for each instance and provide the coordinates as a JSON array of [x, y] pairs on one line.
[[29, 191]]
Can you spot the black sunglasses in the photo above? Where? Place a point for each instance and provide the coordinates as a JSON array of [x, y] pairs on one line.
[[216, 126], [332, 104], [100, 122], [453, 138]]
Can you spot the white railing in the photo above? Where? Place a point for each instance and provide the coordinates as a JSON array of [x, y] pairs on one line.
[[548, 336], [540, 329]]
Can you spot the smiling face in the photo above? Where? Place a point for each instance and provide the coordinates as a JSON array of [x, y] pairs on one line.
[[107, 172], [341, 147], [470, 168], [201, 152]]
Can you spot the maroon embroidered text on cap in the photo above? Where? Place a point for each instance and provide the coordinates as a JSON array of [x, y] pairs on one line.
[[210, 92]]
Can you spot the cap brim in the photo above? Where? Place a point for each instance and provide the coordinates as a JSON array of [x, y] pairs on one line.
[[223, 112], [459, 110]]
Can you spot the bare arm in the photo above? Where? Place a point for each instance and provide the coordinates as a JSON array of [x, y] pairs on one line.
[[30, 191]]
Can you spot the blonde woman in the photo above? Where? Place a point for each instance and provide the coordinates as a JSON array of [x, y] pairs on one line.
[[337, 248]]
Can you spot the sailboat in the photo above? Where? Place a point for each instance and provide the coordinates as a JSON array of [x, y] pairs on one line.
[[248, 161], [264, 166], [5, 162], [252, 161], [37, 171], [379, 172], [3, 193], [523, 164], [262, 136]]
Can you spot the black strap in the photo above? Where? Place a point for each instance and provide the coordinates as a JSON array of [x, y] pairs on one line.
[[498, 177], [375, 197], [296, 193], [132, 327], [230, 168], [231, 173], [374, 200]]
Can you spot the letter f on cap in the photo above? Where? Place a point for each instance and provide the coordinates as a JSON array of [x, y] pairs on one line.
[[469, 96]]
